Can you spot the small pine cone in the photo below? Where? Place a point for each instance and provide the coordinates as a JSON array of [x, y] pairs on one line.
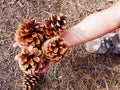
[[54, 49], [30, 60], [30, 33], [54, 25], [30, 81]]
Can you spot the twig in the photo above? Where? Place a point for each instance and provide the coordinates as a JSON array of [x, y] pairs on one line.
[[107, 88]]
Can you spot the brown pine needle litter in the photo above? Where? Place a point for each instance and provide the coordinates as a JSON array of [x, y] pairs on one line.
[[78, 70], [40, 44]]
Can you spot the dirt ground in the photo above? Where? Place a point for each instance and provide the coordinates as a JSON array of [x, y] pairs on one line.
[[78, 70]]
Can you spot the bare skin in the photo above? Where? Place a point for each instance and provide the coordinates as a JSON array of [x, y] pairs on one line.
[[94, 26]]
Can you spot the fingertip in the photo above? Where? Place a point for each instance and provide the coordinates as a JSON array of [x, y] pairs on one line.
[[67, 39]]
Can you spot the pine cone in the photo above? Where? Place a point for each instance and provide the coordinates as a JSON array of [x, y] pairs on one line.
[[30, 61], [30, 81], [30, 33], [54, 49], [54, 25]]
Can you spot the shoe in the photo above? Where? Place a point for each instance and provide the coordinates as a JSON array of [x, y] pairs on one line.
[[109, 44]]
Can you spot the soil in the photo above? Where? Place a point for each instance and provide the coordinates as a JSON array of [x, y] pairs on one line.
[[78, 70]]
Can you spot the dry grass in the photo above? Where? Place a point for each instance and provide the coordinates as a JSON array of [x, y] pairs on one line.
[[78, 70]]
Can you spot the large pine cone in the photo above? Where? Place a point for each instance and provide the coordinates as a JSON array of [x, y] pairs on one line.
[[54, 49], [54, 25], [30, 33], [30, 81], [30, 61]]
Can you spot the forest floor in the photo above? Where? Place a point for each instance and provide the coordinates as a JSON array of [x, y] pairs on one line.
[[78, 70]]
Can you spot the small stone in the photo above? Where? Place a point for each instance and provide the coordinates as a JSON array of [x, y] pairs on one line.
[[111, 1], [54, 84], [15, 45], [99, 9]]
